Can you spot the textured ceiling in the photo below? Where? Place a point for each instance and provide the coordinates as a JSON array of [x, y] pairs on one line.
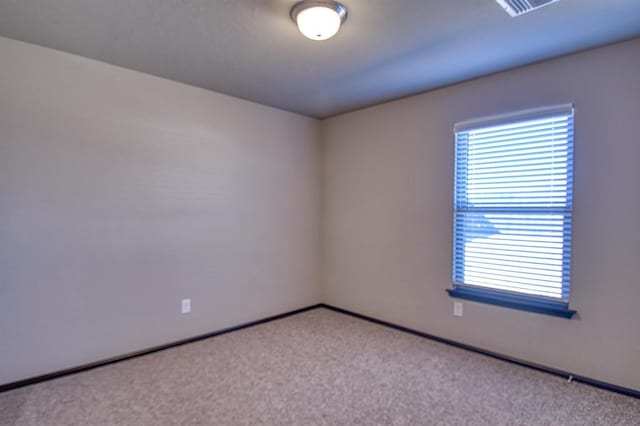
[[251, 49]]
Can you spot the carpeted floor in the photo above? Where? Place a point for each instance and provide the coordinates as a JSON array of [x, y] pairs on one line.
[[315, 368]]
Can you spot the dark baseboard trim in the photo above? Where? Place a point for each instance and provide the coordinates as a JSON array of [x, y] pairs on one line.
[[567, 375], [101, 363]]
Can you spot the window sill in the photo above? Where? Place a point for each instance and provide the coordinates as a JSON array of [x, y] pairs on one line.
[[513, 301]]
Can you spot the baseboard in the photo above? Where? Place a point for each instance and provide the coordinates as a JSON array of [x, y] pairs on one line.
[[567, 375], [101, 363]]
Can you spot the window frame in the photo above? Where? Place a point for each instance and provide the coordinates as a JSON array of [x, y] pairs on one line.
[[511, 299]]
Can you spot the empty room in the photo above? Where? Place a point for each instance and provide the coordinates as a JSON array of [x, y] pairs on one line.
[[319, 212]]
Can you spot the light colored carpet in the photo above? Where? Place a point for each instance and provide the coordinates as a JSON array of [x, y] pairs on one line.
[[315, 368]]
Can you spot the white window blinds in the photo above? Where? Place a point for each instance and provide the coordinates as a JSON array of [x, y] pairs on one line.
[[513, 203]]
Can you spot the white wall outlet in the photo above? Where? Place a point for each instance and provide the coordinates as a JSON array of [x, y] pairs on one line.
[[186, 306], [457, 309]]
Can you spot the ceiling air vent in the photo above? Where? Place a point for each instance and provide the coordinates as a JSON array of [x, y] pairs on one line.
[[518, 7]]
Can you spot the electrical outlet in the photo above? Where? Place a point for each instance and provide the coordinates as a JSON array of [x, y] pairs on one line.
[[457, 309], [186, 306]]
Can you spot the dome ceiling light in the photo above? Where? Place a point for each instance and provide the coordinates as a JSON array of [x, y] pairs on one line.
[[318, 19]]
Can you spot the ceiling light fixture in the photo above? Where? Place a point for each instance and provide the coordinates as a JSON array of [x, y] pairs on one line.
[[318, 19]]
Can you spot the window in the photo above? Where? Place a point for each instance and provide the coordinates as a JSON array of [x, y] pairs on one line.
[[512, 212]]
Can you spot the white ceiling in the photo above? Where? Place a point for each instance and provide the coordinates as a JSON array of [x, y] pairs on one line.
[[251, 49]]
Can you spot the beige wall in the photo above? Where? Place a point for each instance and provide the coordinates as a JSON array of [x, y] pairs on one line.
[[122, 193], [388, 183]]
